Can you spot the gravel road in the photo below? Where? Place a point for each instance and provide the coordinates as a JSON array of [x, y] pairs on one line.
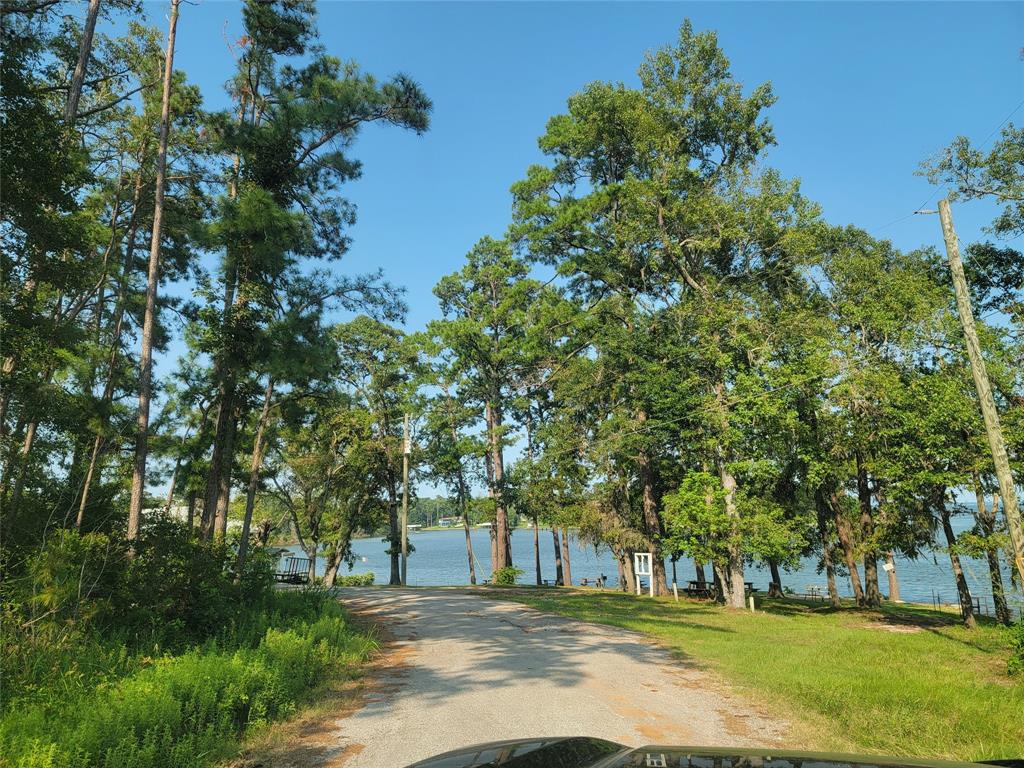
[[462, 669]]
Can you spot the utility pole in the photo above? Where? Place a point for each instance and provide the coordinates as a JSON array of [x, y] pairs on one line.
[[406, 450], [981, 383]]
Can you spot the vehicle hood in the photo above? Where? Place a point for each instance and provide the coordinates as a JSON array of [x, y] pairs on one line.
[[586, 752]]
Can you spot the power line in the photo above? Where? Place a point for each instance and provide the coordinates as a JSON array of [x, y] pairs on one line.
[[937, 191]]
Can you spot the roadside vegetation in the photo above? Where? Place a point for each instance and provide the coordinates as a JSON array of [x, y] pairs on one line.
[[897, 680], [163, 659]]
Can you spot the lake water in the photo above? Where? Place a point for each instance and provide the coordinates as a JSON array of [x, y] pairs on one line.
[[440, 559]]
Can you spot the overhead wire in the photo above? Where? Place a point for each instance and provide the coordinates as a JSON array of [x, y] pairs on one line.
[[935, 192]]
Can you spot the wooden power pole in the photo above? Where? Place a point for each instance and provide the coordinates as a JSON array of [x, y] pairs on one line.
[[406, 450], [988, 406]]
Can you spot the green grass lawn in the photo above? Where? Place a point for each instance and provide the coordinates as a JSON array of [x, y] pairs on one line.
[[900, 681]]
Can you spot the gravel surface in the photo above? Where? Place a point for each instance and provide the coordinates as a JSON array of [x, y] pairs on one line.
[[463, 669]]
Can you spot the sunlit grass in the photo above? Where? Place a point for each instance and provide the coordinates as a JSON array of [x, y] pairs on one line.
[[900, 681]]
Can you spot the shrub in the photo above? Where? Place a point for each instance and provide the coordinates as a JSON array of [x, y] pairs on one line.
[[175, 590], [75, 579], [1016, 664], [82, 613], [355, 580], [507, 575]]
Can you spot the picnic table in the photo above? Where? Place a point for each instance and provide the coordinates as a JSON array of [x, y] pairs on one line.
[[707, 590], [701, 589], [296, 571]]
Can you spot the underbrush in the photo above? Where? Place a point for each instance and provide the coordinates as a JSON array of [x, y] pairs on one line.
[[355, 580], [107, 664]]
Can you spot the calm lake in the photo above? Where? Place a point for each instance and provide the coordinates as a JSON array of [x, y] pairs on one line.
[[440, 559]]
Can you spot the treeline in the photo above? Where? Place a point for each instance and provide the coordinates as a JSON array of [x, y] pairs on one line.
[[687, 357], [694, 362], [133, 217]]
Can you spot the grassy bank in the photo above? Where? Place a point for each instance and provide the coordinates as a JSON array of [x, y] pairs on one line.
[[899, 681], [189, 708]]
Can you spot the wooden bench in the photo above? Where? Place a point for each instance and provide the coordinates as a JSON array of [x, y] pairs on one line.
[[296, 571]]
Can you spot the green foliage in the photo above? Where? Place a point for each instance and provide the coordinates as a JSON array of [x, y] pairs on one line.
[[507, 576], [1016, 663], [83, 610], [190, 709], [355, 580], [697, 524], [175, 589]]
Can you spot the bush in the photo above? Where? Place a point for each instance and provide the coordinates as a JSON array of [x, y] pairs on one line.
[[82, 613], [1016, 664], [355, 580], [507, 576], [188, 710], [175, 590]]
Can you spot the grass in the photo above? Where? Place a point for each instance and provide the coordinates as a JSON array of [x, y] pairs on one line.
[[901, 681], [191, 708]]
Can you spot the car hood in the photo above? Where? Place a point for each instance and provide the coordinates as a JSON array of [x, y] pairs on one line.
[[585, 752]]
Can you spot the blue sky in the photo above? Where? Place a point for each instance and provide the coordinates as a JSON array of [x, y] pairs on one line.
[[865, 92]]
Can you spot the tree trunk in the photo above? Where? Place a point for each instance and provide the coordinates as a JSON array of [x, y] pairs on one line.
[[225, 405], [254, 478], [723, 582], [208, 523], [394, 534], [698, 567], [84, 53], [566, 563], [331, 566], [652, 521], [846, 543], [963, 591], [177, 469], [312, 562], [733, 580], [628, 571], [894, 585], [558, 557], [22, 464], [464, 510], [536, 549], [821, 508], [775, 589], [503, 557], [872, 594], [152, 281], [986, 522], [226, 476], [191, 514], [97, 443]]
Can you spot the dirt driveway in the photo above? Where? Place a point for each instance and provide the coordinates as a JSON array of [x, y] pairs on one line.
[[460, 669]]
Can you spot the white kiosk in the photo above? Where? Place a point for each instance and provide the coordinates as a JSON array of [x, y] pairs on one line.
[[642, 567]]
